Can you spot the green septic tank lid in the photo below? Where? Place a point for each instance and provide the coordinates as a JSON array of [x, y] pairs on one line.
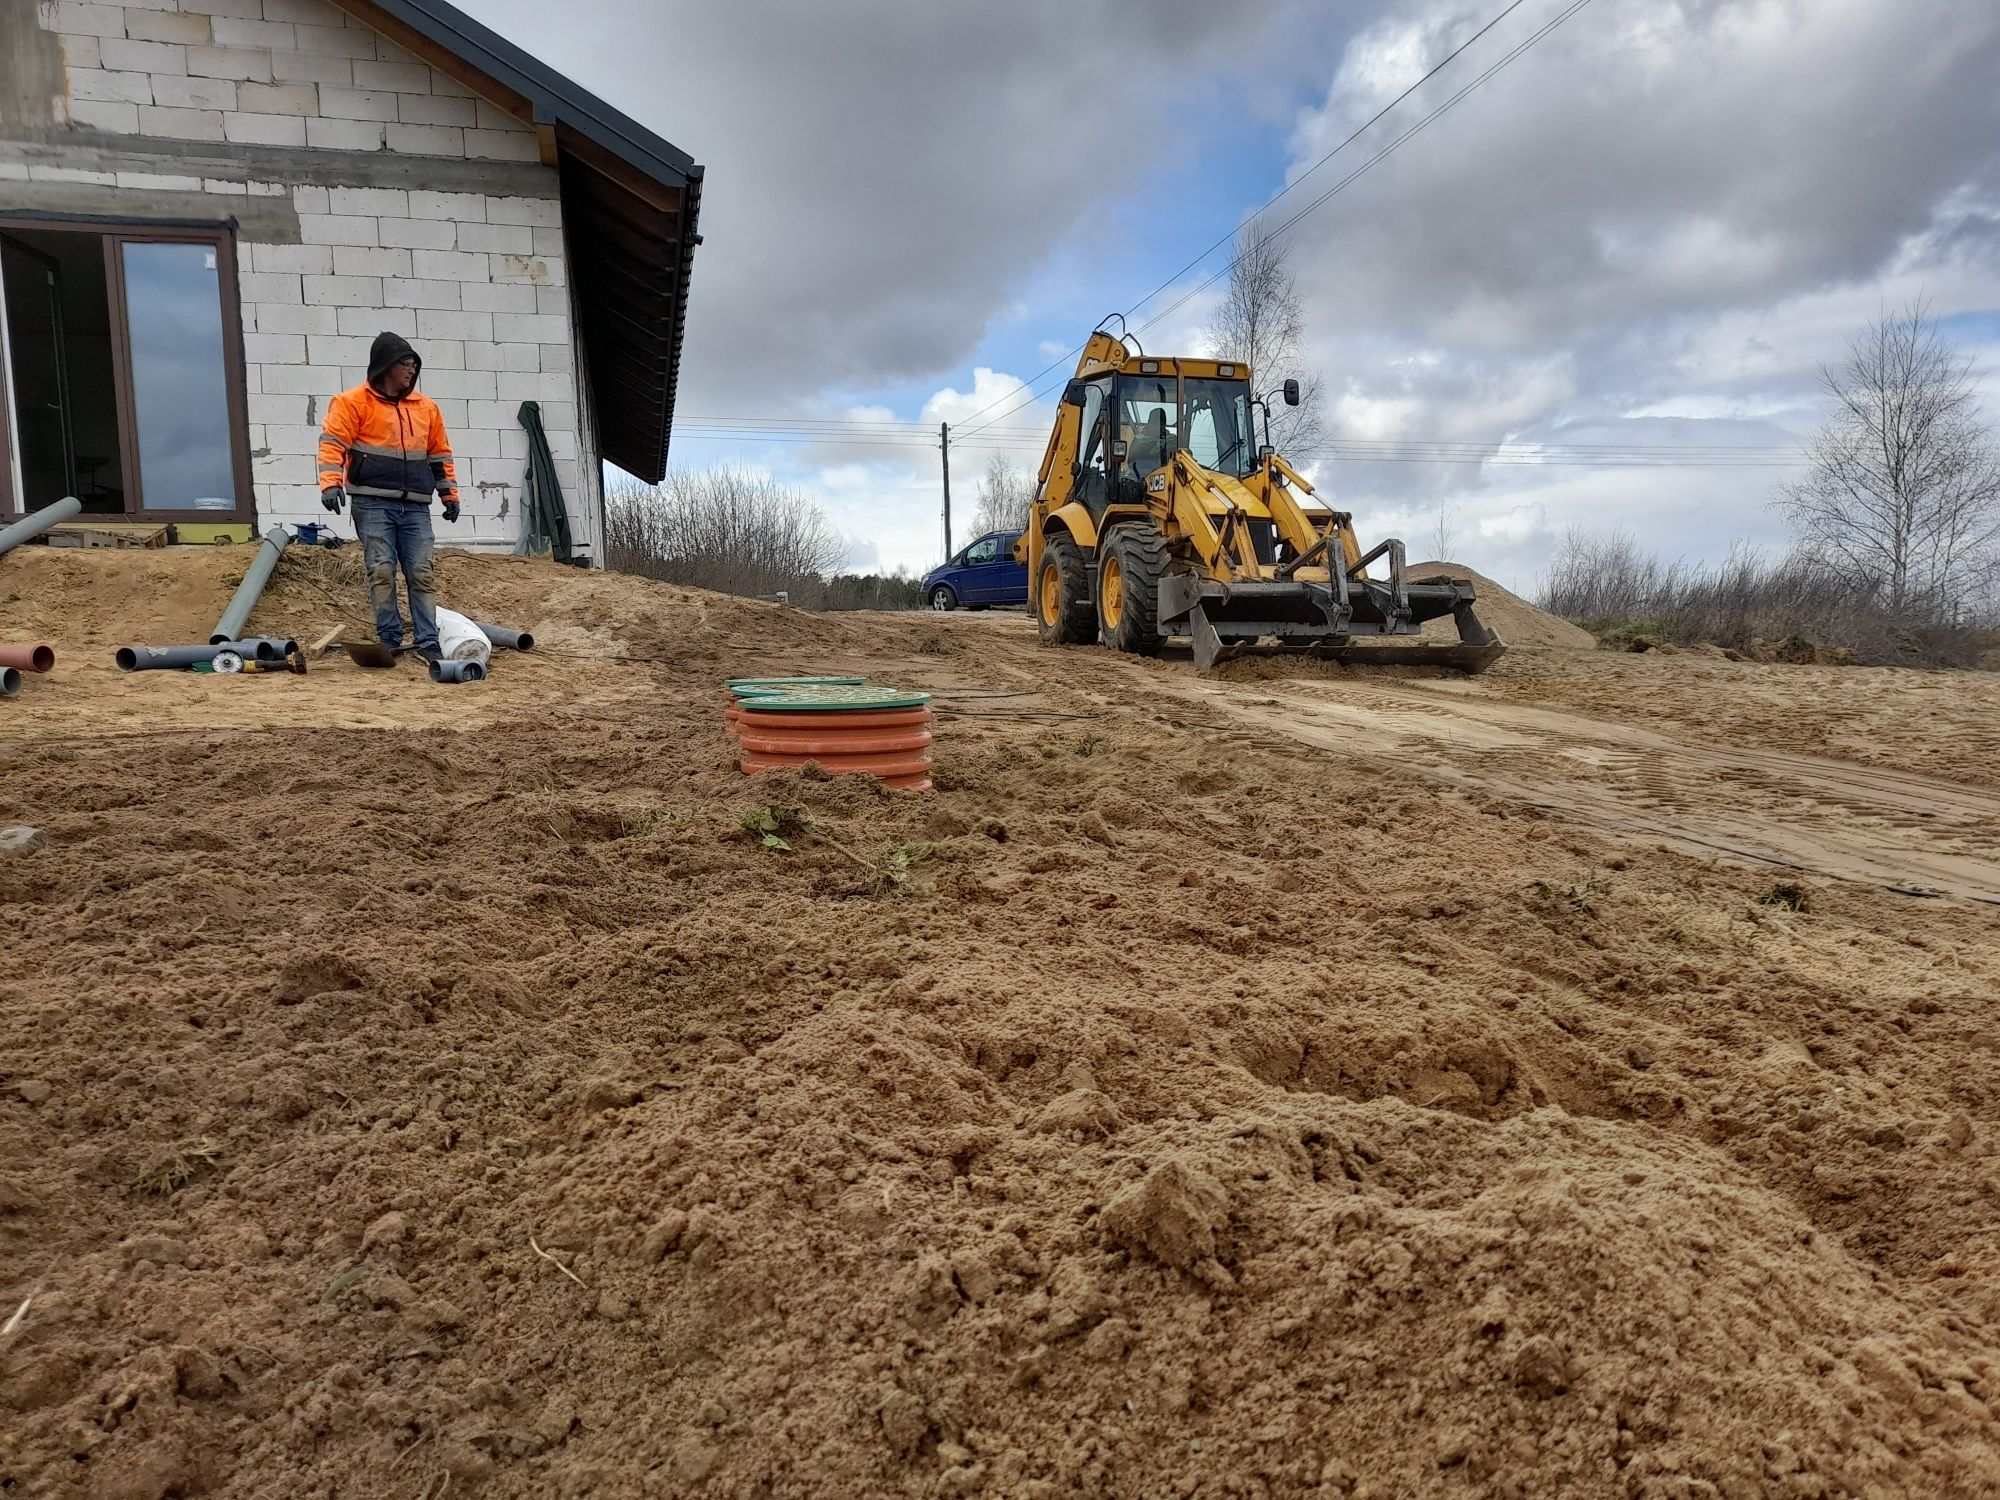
[[835, 698], [743, 687]]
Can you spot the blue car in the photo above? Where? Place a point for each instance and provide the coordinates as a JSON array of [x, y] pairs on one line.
[[984, 573]]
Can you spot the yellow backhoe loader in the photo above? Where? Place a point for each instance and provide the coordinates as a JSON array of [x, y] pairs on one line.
[[1158, 514]]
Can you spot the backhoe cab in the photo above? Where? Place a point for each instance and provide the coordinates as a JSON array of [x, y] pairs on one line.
[[1157, 513]]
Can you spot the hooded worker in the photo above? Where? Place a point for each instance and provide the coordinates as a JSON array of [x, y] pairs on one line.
[[383, 446]]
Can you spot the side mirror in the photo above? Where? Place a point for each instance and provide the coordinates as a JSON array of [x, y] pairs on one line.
[[1073, 393], [1266, 452], [1291, 393]]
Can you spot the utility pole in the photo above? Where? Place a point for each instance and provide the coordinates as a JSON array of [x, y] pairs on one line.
[[944, 447]]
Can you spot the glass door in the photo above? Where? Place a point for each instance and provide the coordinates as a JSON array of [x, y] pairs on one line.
[[42, 430], [177, 373], [123, 357]]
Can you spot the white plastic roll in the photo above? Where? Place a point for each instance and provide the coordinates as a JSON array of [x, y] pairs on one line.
[[461, 640]]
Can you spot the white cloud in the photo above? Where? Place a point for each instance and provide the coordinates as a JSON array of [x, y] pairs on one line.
[[883, 178], [1652, 228]]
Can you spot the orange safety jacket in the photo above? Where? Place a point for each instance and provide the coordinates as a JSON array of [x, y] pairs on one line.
[[379, 449]]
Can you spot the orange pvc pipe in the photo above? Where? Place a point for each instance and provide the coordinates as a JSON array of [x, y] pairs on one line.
[[809, 719], [835, 745], [28, 658], [892, 745]]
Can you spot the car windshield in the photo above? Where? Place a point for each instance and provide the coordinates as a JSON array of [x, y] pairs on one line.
[[1215, 425]]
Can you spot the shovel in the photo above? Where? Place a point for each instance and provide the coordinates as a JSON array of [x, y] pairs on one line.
[[368, 654]]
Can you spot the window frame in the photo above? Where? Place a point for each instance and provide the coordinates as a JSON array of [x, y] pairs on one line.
[[113, 235]]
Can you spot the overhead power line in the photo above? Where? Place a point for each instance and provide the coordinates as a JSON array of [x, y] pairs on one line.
[[1524, 460], [1571, 9], [1512, 452], [1228, 238], [842, 424]]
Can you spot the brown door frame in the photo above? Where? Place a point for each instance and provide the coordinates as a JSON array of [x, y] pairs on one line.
[[114, 235], [7, 501]]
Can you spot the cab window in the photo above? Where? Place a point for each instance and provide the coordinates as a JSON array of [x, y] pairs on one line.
[[1149, 421], [982, 551], [1218, 428], [1092, 485]]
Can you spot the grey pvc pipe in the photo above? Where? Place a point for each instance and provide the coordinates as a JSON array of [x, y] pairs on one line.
[[37, 522], [457, 671], [162, 658], [261, 647], [234, 618], [512, 640], [10, 681]]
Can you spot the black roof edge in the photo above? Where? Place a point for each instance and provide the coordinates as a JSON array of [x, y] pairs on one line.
[[553, 98]]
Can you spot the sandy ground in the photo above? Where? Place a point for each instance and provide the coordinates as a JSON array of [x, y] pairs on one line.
[[1573, 1081]]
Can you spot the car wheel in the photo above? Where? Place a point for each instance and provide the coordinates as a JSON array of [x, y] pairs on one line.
[[943, 599]]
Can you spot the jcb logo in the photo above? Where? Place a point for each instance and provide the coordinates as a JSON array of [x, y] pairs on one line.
[[1157, 484]]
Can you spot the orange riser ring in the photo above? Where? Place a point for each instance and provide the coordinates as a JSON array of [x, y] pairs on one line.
[[872, 718], [892, 745], [837, 745]]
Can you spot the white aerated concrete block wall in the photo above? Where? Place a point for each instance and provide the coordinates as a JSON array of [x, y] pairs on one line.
[[475, 280], [493, 327]]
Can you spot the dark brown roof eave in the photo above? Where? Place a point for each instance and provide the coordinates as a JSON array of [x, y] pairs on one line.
[[608, 159]]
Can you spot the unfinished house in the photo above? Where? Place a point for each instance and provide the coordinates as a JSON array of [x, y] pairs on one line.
[[209, 208]]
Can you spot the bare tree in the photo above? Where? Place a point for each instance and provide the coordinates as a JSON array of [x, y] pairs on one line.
[[1901, 496], [1003, 498], [723, 529], [1261, 320], [1788, 608], [1444, 532]]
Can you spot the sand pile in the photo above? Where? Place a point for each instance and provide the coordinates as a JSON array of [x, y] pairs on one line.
[[597, 637], [382, 1109], [1519, 622]]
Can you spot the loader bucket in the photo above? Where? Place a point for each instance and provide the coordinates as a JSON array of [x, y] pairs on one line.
[[1359, 622]]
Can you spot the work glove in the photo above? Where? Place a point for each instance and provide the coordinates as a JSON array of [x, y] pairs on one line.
[[451, 510], [333, 498]]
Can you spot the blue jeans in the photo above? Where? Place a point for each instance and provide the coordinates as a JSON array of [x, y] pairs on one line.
[[398, 535]]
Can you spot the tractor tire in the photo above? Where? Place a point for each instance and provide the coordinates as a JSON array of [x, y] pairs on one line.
[[1129, 569], [943, 599], [1063, 612]]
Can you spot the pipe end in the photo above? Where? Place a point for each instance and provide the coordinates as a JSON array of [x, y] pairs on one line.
[[128, 659], [10, 681], [527, 642]]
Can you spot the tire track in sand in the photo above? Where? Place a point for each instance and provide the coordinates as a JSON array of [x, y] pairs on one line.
[[1897, 829]]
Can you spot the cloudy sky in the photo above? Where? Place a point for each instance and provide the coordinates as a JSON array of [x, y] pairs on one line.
[[1641, 236]]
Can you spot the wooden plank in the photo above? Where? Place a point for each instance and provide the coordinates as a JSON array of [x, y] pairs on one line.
[[85, 534]]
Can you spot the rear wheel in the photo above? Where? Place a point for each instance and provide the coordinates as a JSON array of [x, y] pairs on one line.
[[942, 598], [1062, 594], [1129, 570]]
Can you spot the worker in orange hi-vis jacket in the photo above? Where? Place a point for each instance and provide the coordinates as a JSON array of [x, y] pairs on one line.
[[383, 446]]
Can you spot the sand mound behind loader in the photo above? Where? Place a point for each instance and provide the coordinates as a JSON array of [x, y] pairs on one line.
[[1518, 622]]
